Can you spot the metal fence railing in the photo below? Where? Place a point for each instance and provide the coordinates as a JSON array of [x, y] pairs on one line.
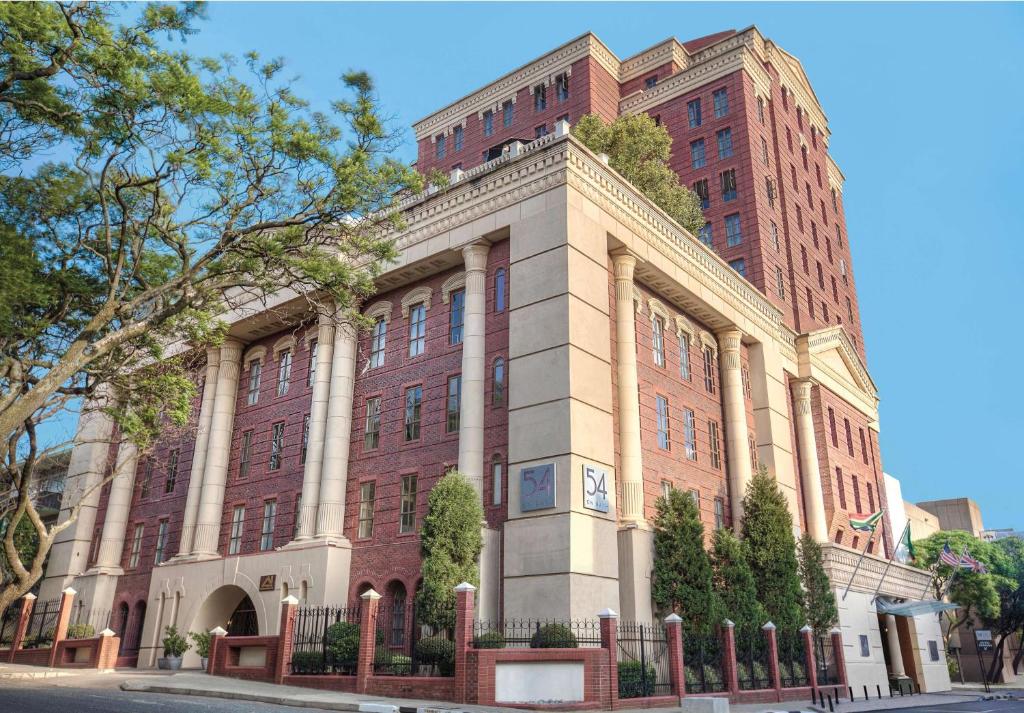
[[402, 649], [325, 640], [643, 660], [752, 667], [537, 634], [792, 659], [41, 625], [825, 661], [87, 623], [9, 625], [702, 655]]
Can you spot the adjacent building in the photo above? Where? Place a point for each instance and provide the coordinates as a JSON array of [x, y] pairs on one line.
[[956, 514]]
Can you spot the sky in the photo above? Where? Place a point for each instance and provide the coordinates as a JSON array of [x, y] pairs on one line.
[[925, 106]]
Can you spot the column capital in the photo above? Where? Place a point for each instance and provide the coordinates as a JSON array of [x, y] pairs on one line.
[[231, 349], [212, 357], [801, 389], [624, 263], [729, 340], [475, 256]]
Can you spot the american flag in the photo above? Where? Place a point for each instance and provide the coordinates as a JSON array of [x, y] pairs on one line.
[[968, 562], [949, 557]]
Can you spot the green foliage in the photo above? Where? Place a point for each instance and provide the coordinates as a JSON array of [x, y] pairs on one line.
[[820, 609], [682, 577], [388, 663], [342, 644], [639, 150], [81, 631], [437, 651], [635, 681], [201, 640], [771, 551], [554, 636], [450, 543], [733, 583], [489, 640], [305, 661], [712, 677], [26, 542], [174, 643]]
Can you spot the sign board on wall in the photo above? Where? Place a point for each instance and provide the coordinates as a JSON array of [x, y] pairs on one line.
[[267, 582], [595, 488], [983, 639], [538, 682], [537, 487]]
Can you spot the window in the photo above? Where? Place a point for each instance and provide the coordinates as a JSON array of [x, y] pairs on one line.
[[269, 520], [803, 259], [540, 98], [752, 447], [824, 310], [828, 249], [506, 113], [366, 495], [693, 113], [745, 380], [455, 316], [398, 616], [839, 237], [453, 404], [709, 370], [161, 542], [689, 435], [817, 173], [658, 341], [305, 439], [284, 371], [413, 403], [933, 650], [863, 446], [728, 186], [276, 445], [172, 471], [733, 236], [780, 283], [246, 455], [371, 432], [832, 427], [563, 117], [721, 98], [147, 479], [821, 274], [803, 154], [562, 87], [695, 497], [496, 469], [835, 289], [498, 384], [651, 82], [499, 290], [871, 498], [775, 236], [439, 146], [716, 456], [810, 201], [764, 151], [789, 139], [792, 170], [407, 510], [701, 189], [814, 234], [133, 558], [841, 488], [666, 488], [769, 189], [849, 437], [865, 648], [705, 235], [684, 356], [377, 343], [760, 109], [839, 537], [835, 201], [664, 436], [810, 302], [237, 522], [719, 513], [724, 143], [697, 159], [849, 309], [856, 493], [255, 369], [540, 131], [488, 122], [739, 265], [457, 138], [417, 329]]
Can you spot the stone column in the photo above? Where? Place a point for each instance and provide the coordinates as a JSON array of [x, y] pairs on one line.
[[631, 468], [814, 501], [211, 497], [464, 617], [120, 500], [734, 408], [317, 429], [195, 480], [892, 634], [471, 416], [330, 518]]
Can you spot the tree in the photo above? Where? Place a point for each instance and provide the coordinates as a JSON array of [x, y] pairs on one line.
[[1007, 572], [450, 543], [734, 582], [186, 188], [682, 570], [820, 609], [768, 534], [639, 149]]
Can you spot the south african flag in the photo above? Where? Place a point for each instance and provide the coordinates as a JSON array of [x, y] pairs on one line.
[[865, 523]]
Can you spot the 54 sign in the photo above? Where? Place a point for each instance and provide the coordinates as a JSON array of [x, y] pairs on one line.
[[595, 488]]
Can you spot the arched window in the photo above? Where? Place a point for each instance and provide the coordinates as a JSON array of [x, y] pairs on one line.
[[122, 626], [499, 290], [135, 633], [496, 480], [498, 390], [397, 614]]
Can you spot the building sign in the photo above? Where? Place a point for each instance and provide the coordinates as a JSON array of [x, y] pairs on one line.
[[537, 487], [595, 488], [267, 582], [983, 638]]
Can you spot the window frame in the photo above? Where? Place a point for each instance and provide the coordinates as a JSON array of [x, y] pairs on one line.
[[245, 454], [255, 379], [268, 525], [367, 496], [237, 529], [407, 505], [378, 343], [689, 434], [453, 417], [664, 422], [371, 423], [284, 371], [413, 413], [456, 316], [276, 446]]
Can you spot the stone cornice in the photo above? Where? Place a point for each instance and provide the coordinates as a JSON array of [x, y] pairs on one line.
[[902, 581], [794, 80], [836, 179], [651, 58], [853, 383]]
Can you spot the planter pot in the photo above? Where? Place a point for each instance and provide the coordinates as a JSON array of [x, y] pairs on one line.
[[205, 661], [169, 663]]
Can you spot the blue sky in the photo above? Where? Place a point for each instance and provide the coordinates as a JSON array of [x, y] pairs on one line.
[[927, 121]]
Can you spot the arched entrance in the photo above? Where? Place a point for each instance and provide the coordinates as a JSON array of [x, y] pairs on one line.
[[228, 607]]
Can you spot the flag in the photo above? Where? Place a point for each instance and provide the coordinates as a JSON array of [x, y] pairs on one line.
[[947, 556], [865, 523], [908, 543], [968, 562]]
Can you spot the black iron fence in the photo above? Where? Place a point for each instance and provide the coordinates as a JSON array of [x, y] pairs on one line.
[[9, 624], [325, 640], [537, 634], [752, 666], [702, 654], [643, 660], [792, 659], [41, 624], [402, 649], [825, 661], [87, 623]]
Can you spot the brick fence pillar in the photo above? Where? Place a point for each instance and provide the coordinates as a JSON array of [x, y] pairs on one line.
[[840, 655], [217, 635], [27, 604], [674, 639], [464, 607], [60, 629], [106, 650], [367, 639], [610, 643], [774, 675], [729, 670], [812, 669], [285, 636]]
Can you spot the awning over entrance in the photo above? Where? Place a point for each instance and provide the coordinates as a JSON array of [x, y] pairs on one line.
[[912, 608]]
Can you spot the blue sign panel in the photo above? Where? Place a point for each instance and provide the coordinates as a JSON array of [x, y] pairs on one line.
[[537, 487]]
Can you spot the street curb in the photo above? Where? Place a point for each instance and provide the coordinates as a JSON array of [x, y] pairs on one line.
[[252, 697], [14, 675]]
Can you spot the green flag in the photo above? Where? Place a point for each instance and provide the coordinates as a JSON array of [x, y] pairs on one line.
[[908, 543]]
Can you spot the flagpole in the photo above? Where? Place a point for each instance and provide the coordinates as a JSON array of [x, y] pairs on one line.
[[887, 566], [857, 568]]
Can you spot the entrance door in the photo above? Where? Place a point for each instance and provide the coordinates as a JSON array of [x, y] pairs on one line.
[[243, 621]]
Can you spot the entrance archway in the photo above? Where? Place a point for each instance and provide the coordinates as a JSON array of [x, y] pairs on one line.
[[230, 608]]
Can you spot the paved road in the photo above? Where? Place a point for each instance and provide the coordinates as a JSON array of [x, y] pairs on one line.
[[1016, 706]]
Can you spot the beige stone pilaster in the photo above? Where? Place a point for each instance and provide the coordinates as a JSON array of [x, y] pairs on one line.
[[330, 519], [737, 447], [631, 465], [195, 480], [215, 473], [116, 517], [471, 417], [895, 652], [814, 502], [317, 429]]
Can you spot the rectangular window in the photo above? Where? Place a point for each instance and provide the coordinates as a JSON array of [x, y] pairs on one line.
[[488, 122], [856, 493], [540, 98], [255, 370], [709, 370], [651, 82], [439, 146], [719, 513], [828, 249], [752, 446], [933, 650], [695, 497], [697, 159], [666, 488], [865, 647], [693, 113], [377, 344], [664, 436], [506, 113], [499, 290], [724, 142], [684, 356], [689, 434], [705, 235], [871, 498], [760, 109], [803, 259], [775, 236], [276, 445], [246, 455], [417, 329], [133, 558], [733, 236], [658, 341], [728, 186], [457, 138], [810, 302], [147, 479], [413, 403], [701, 189], [835, 288], [540, 131], [305, 439], [863, 447], [407, 511], [367, 491], [739, 265], [832, 427], [799, 219], [764, 151], [839, 236], [721, 97], [161, 542], [562, 87], [835, 201], [237, 522], [269, 522], [498, 383], [453, 404], [769, 190], [716, 455], [839, 537], [789, 139], [371, 434], [172, 471], [311, 371], [456, 316], [821, 274], [284, 371], [849, 436], [780, 283], [841, 488], [496, 472], [849, 309], [745, 378], [824, 309]]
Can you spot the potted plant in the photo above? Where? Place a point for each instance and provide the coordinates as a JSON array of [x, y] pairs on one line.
[[201, 639], [174, 646]]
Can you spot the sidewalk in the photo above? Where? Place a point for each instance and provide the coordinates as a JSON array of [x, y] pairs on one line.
[[885, 703], [17, 670]]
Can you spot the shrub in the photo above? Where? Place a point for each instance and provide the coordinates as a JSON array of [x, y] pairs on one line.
[[391, 664], [490, 640], [342, 642], [306, 662], [553, 636], [174, 643], [201, 639], [437, 651], [81, 631], [712, 677], [633, 683]]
